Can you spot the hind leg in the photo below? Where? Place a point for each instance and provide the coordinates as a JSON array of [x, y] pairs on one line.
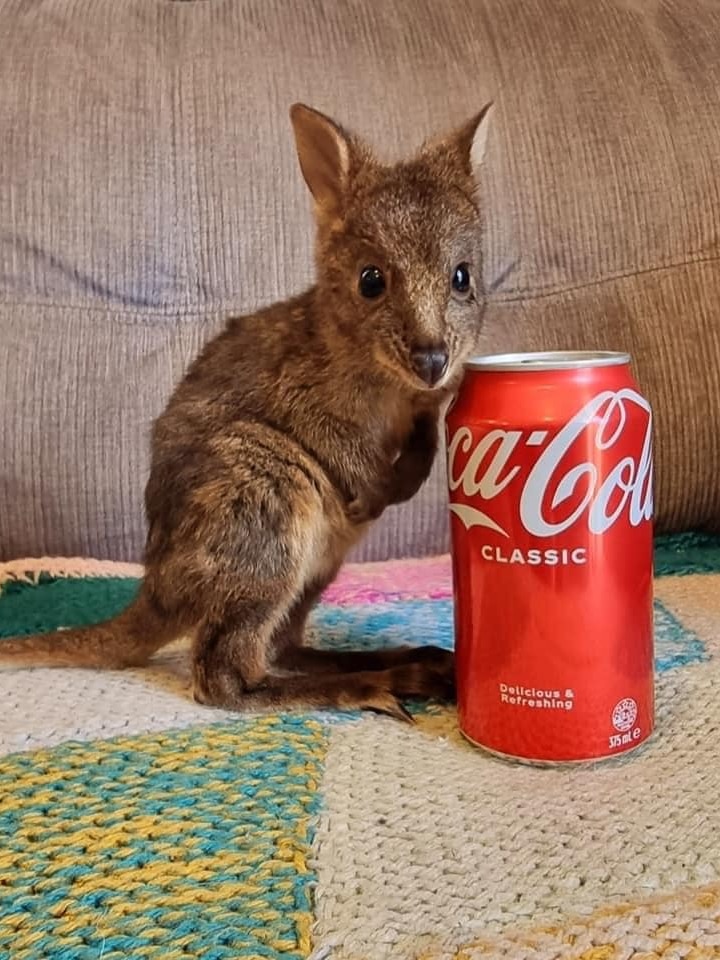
[[232, 669], [250, 658], [231, 652], [436, 665], [255, 536], [379, 690], [291, 653], [263, 551]]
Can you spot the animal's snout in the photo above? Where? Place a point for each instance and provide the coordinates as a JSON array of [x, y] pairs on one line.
[[430, 363]]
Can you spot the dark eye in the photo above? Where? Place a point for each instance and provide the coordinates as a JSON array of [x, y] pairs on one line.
[[461, 280], [372, 282]]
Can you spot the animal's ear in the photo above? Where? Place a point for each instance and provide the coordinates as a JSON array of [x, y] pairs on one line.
[[472, 139], [465, 147], [325, 152]]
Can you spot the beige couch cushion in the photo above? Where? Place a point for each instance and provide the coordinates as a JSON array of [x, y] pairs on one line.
[[148, 187]]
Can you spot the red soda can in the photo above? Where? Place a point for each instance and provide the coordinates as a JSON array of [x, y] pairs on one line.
[[551, 498]]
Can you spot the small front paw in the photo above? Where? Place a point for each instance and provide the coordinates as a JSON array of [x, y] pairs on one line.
[[355, 511], [362, 510], [424, 433]]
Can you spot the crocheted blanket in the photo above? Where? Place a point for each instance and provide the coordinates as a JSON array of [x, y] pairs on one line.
[[136, 823]]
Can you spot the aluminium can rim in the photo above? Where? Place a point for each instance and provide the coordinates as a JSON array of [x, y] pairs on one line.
[[548, 360], [617, 755]]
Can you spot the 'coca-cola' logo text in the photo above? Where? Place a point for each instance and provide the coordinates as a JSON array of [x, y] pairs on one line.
[[627, 485]]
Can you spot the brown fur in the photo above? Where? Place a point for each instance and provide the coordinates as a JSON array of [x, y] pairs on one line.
[[293, 430]]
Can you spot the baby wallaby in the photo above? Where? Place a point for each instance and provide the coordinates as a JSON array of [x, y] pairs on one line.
[[296, 427]]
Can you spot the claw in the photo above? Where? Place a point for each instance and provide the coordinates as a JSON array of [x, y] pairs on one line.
[[388, 704]]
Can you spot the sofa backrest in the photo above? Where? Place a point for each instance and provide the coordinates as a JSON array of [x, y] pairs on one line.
[[149, 187]]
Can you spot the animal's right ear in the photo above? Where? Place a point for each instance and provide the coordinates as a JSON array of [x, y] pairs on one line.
[[324, 150]]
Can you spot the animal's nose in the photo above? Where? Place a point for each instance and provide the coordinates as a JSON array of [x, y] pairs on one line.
[[430, 363]]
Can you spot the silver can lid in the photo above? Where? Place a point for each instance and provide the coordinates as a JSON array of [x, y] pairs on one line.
[[548, 360]]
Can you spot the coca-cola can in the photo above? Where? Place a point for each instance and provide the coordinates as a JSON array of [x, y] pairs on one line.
[[551, 500]]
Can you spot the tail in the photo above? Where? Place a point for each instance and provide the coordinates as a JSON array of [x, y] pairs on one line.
[[128, 640]]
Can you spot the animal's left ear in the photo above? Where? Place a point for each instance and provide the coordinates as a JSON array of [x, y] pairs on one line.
[[464, 149]]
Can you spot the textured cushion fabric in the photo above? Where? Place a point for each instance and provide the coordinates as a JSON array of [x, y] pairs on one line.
[[148, 188]]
